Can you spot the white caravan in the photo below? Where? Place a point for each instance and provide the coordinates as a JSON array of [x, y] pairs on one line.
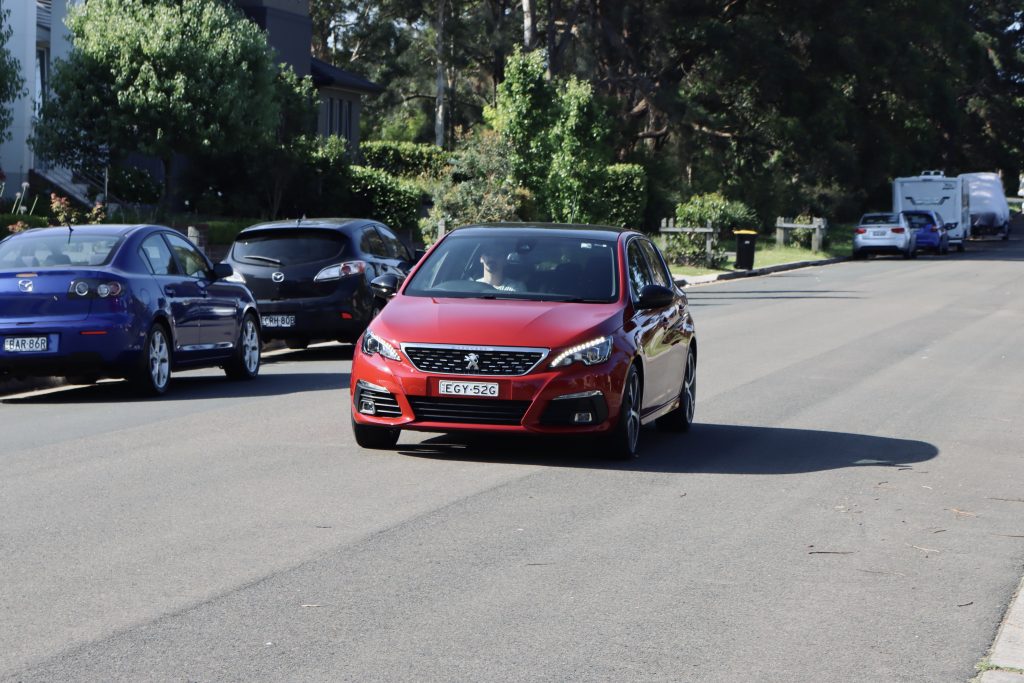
[[949, 197], [990, 213]]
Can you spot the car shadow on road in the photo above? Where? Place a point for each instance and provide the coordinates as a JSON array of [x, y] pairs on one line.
[[707, 448], [326, 352], [186, 388]]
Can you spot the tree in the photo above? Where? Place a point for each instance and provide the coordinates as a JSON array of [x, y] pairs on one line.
[[11, 82], [160, 77]]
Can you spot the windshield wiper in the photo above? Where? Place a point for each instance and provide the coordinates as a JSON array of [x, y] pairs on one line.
[[264, 259]]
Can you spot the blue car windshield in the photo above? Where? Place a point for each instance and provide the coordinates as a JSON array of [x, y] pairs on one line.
[[56, 248], [527, 266]]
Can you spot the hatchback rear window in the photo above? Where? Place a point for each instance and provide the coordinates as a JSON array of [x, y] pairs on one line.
[[289, 246], [879, 219]]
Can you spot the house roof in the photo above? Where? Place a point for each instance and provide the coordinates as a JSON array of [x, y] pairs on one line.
[[325, 74]]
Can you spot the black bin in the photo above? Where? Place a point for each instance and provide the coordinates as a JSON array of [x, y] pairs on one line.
[[746, 241]]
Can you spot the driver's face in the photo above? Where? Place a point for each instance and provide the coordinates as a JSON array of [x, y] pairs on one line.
[[492, 261]]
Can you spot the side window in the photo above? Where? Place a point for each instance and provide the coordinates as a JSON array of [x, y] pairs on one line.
[[396, 249], [371, 243], [157, 256], [191, 261], [658, 270], [639, 272]]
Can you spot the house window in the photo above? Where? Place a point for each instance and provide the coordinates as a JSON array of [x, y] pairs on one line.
[[330, 116], [42, 75], [348, 119]]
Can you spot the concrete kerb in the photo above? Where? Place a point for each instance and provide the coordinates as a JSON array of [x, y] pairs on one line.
[[754, 272], [1007, 654]]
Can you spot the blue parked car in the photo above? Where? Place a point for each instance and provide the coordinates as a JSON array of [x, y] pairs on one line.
[[132, 301], [932, 233]]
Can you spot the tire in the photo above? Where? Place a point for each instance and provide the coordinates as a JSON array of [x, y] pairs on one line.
[[681, 419], [296, 343], [153, 373], [625, 438], [377, 438], [245, 361]]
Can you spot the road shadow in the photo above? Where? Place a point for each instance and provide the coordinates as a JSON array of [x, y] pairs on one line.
[[326, 352], [707, 448], [184, 387]]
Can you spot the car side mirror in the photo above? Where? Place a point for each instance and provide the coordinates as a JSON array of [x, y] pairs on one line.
[[223, 270], [655, 296], [385, 286]]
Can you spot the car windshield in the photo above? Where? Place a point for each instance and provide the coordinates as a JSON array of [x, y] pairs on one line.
[[531, 267], [879, 219], [289, 246], [57, 248]]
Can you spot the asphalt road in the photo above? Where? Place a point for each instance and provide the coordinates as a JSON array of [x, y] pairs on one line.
[[850, 507]]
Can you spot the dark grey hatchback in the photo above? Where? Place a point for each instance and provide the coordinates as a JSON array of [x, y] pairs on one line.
[[311, 277]]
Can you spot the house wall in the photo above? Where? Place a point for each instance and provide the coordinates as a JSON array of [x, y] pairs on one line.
[[16, 156], [288, 26]]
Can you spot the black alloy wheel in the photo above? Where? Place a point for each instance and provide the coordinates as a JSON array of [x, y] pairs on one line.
[[681, 419], [625, 438]]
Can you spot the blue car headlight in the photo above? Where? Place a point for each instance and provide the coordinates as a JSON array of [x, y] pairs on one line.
[[589, 353]]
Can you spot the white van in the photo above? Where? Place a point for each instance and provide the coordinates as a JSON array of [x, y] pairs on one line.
[[949, 197], [990, 213]]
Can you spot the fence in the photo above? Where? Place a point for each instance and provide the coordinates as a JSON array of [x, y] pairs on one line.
[[819, 225], [668, 227]]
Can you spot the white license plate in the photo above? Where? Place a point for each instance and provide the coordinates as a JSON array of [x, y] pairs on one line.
[[277, 320], [879, 233], [476, 389], [23, 344]]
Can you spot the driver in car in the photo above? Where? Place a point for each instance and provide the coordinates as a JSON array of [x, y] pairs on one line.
[[494, 258]]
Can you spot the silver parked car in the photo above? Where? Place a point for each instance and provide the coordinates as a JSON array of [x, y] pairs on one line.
[[884, 233]]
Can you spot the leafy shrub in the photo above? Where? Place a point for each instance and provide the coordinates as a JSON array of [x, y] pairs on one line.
[[404, 159], [225, 231], [622, 197], [476, 187], [134, 185], [380, 195], [10, 219], [723, 215]]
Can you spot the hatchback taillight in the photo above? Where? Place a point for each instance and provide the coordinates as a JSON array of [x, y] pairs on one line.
[[341, 270], [860, 231], [898, 231]]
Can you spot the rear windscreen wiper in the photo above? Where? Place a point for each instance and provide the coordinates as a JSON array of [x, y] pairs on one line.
[[264, 259]]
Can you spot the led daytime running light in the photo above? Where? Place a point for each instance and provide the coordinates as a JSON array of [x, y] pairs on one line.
[[601, 347], [372, 344]]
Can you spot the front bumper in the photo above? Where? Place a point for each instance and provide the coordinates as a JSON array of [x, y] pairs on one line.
[[570, 400]]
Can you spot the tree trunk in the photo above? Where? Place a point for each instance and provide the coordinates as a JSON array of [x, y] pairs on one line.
[[167, 191], [440, 106], [529, 24]]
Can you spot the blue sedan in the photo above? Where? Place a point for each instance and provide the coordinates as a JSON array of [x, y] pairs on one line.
[[132, 301]]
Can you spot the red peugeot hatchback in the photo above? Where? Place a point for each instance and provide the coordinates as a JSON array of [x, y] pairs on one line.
[[536, 328]]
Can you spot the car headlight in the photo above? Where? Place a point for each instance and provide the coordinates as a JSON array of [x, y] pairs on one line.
[[373, 344], [589, 353]]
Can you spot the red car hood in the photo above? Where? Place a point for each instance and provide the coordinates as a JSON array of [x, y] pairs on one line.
[[500, 322]]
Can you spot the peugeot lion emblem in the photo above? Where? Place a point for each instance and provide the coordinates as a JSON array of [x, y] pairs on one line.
[[277, 277], [25, 285], [472, 361]]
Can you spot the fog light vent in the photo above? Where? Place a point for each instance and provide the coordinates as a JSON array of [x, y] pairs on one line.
[[366, 407], [583, 418]]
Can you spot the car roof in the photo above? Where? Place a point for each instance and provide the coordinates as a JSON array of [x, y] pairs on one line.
[[98, 228], [328, 223], [576, 229]]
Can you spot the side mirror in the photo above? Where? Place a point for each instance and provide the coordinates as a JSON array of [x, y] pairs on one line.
[[656, 296], [385, 286], [223, 270]]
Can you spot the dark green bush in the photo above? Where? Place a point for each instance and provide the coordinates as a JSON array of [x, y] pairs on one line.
[[134, 185], [622, 196], [9, 219], [404, 159], [723, 215], [382, 196]]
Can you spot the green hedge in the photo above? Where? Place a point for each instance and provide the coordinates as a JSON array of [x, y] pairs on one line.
[[623, 196], [8, 219], [380, 195], [404, 159]]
